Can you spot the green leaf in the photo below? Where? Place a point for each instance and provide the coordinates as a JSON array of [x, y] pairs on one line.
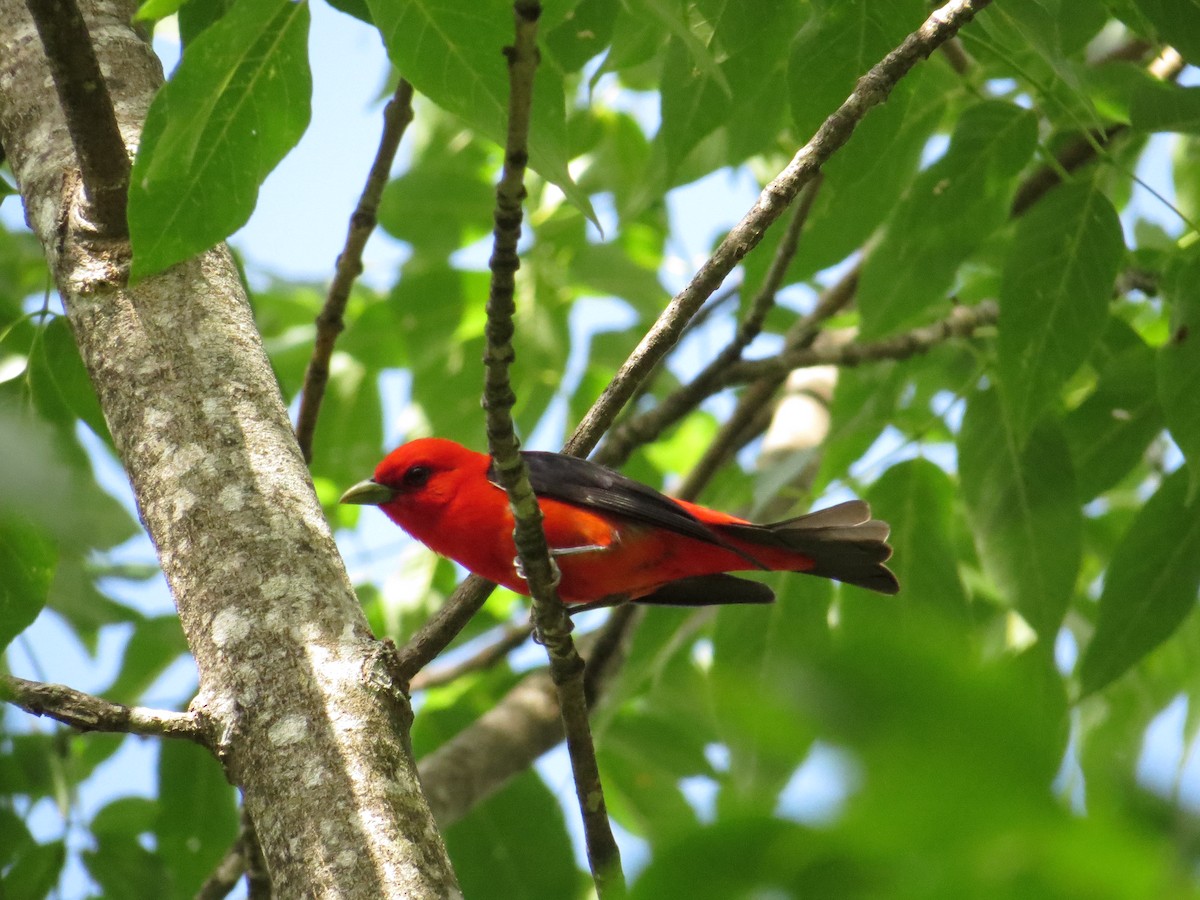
[[1057, 284], [1150, 587], [153, 10], [1108, 432], [1179, 366], [59, 381], [582, 35], [239, 101], [694, 103], [1159, 106], [753, 857], [195, 17], [35, 873], [197, 814], [1024, 510], [643, 756], [950, 208], [27, 561], [155, 644], [860, 187], [916, 498], [837, 46], [350, 434], [494, 859], [1177, 21], [452, 53], [763, 650], [124, 868]]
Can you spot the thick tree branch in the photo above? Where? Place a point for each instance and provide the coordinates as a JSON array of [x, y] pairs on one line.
[[103, 161], [871, 90], [396, 116], [297, 690], [90, 713], [551, 622]]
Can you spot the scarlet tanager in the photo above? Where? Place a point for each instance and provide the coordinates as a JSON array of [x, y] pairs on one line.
[[613, 538]]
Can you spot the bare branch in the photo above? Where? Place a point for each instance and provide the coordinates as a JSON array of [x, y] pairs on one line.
[[644, 428], [510, 639], [396, 115], [551, 622], [90, 713], [962, 322], [244, 857], [753, 413], [103, 161], [443, 627], [871, 90]]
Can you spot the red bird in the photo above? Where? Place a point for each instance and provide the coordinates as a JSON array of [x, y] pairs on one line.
[[613, 538]]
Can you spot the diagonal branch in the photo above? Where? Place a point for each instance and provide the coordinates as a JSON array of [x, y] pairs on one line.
[[962, 322], [871, 90], [551, 622], [644, 428], [86, 104], [397, 114], [90, 713]]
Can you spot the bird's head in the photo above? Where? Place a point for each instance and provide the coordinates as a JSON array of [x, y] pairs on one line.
[[417, 478]]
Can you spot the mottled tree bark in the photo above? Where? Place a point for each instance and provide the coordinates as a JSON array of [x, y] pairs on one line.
[[297, 693]]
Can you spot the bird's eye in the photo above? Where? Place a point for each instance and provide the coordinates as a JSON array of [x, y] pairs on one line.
[[416, 477]]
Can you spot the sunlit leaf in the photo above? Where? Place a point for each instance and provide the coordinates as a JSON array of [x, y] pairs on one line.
[[1179, 367], [1058, 281], [197, 814], [26, 568], [1023, 505], [452, 53], [239, 101], [948, 210], [1150, 586]]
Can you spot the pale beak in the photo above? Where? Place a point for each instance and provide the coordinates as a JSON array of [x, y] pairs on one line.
[[368, 493]]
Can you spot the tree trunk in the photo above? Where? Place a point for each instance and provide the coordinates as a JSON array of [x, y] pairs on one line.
[[304, 713]]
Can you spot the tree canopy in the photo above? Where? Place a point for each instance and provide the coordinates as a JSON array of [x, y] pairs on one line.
[[966, 294]]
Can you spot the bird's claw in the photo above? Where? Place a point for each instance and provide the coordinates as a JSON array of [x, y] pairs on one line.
[[555, 571]]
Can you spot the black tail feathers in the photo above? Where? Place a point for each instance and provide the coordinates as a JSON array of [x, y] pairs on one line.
[[844, 542]]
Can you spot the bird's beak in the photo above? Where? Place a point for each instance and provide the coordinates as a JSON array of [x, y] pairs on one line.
[[368, 493]]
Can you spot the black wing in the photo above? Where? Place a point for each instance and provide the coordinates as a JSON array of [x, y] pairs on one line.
[[585, 483]]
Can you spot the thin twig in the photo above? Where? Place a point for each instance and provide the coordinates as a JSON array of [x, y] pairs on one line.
[[1086, 147], [551, 622], [753, 413], [443, 627], [244, 857], [512, 637], [871, 90], [90, 713], [962, 322], [92, 122], [644, 428], [523, 725], [396, 115]]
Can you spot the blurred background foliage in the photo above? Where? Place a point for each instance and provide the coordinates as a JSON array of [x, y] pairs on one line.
[[1019, 721]]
